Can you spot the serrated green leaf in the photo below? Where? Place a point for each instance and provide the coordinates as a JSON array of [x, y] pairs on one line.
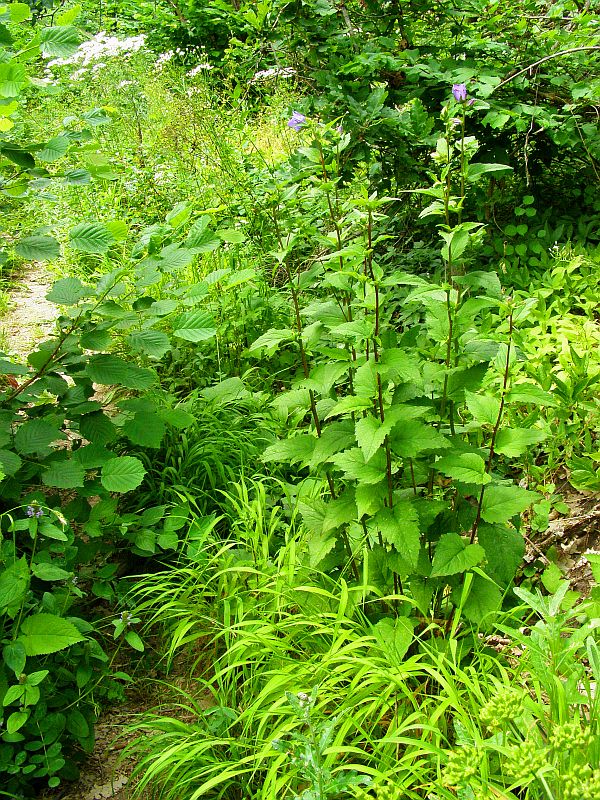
[[36, 435], [513, 442], [97, 428], [483, 407], [67, 474], [334, 438], [454, 554], [67, 292], [370, 435], [293, 449], [464, 467], [531, 393], [394, 637], [38, 248], [502, 503], [270, 341], [42, 634], [14, 581], [504, 550], [15, 657], [13, 78], [195, 326], [19, 12], [153, 343], [54, 149], [353, 465], [91, 237], [146, 430], [409, 438], [109, 370], [59, 41], [483, 602], [231, 235], [399, 527], [122, 474], [10, 463]]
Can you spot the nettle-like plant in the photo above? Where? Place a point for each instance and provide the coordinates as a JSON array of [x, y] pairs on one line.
[[398, 406]]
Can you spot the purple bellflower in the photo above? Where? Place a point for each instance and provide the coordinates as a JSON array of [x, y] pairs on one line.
[[297, 121], [459, 90]]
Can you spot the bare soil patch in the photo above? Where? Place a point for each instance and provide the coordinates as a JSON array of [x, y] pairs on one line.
[[31, 317]]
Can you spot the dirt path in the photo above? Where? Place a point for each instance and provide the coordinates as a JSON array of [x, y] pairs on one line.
[[31, 317]]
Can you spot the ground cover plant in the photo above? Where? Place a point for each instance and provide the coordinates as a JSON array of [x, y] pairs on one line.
[[325, 362]]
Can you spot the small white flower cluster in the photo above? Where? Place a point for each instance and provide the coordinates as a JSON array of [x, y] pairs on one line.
[[89, 55], [198, 69], [163, 59], [274, 72]]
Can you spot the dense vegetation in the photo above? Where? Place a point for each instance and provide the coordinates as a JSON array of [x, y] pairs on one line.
[[326, 366]]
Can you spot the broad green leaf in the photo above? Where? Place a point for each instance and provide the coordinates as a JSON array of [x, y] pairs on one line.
[[77, 177], [91, 237], [513, 442], [200, 239], [147, 430], [475, 171], [502, 503], [340, 511], [122, 474], [77, 724], [133, 640], [97, 428], [231, 235], [179, 214], [454, 554], [19, 12], [464, 467], [153, 343], [226, 391], [36, 435], [10, 463], [67, 474], [41, 634], [318, 546], [14, 656], [38, 248], [109, 370], [195, 326], [483, 602], [370, 435], [483, 407], [59, 41], [16, 721], [353, 465], [54, 149], [504, 550], [14, 581], [50, 572], [145, 540], [334, 438], [12, 79], [394, 637], [270, 341], [409, 438], [531, 393], [68, 292], [294, 449], [400, 528]]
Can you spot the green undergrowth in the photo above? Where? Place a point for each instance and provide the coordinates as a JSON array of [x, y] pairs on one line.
[[314, 385]]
